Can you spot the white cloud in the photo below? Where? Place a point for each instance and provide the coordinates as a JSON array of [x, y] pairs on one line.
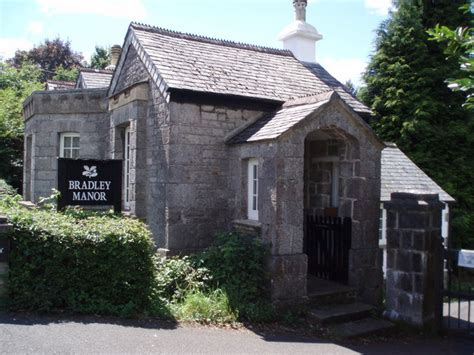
[[35, 27], [380, 7], [345, 69], [132, 9], [9, 45]]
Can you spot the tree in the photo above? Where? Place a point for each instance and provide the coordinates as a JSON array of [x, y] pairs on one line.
[[350, 86], [16, 84], [459, 44], [65, 74], [101, 58], [49, 56], [406, 89]]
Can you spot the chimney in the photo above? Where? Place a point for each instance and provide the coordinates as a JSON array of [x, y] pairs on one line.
[[299, 36], [115, 52]]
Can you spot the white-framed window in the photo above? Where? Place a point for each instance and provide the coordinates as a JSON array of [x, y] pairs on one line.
[[69, 145], [252, 198], [126, 169]]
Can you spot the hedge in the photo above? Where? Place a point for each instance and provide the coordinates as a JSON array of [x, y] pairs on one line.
[[82, 263]]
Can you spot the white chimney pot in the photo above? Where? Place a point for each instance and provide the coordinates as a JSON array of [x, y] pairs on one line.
[[299, 36]]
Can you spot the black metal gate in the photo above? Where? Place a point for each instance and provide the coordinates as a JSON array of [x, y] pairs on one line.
[[458, 296], [327, 242]]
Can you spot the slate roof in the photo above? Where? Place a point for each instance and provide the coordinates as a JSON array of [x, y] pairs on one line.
[[203, 64], [274, 124], [341, 89], [93, 78], [59, 85], [400, 174]]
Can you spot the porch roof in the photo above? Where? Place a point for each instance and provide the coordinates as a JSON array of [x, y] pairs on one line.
[[400, 174], [274, 124]]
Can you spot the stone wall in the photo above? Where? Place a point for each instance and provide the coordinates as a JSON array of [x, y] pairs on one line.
[[414, 259], [200, 197], [49, 113], [141, 106], [360, 190]]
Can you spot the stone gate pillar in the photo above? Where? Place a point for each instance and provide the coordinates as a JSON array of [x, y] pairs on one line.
[[414, 259]]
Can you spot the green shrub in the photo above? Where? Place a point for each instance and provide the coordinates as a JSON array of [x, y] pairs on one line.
[[95, 264], [205, 307], [176, 277], [237, 265], [6, 189]]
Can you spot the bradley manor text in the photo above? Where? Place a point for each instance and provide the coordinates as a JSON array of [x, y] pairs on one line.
[[89, 190]]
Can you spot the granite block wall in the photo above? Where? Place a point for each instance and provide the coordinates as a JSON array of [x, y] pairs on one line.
[[47, 115], [415, 259]]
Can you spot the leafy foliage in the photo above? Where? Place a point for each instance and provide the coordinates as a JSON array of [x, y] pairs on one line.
[[176, 277], [49, 55], [64, 74], [205, 307], [95, 265], [100, 59], [16, 84], [237, 264], [414, 107], [6, 189], [459, 45]]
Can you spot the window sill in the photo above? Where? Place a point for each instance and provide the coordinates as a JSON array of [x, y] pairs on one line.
[[247, 227]]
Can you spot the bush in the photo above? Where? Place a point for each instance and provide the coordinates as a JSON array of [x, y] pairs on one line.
[[176, 277], [237, 265], [205, 307], [93, 264], [5, 189]]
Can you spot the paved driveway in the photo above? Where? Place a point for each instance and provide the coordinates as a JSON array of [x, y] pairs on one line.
[[45, 335]]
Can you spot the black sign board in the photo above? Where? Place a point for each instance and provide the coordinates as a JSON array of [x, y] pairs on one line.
[[90, 183]]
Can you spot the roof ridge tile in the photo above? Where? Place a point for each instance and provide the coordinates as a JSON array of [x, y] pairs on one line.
[[210, 40]]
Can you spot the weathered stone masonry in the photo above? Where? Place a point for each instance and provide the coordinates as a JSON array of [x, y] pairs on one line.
[[415, 261], [184, 100]]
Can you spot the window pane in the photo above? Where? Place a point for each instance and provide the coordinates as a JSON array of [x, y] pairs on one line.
[[255, 171], [67, 142], [254, 203], [75, 142], [67, 153], [75, 153]]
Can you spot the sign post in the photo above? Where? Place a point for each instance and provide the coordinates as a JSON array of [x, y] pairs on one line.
[[90, 183]]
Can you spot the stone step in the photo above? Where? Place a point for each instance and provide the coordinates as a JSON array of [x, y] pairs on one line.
[[324, 292], [339, 312], [360, 327]]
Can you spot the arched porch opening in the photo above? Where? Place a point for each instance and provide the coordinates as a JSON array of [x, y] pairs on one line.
[[331, 164]]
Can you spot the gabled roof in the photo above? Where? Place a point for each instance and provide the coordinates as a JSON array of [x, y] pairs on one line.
[[93, 78], [400, 174], [274, 124], [189, 62], [341, 89], [59, 85]]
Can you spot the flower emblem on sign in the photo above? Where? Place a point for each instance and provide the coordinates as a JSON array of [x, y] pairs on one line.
[[90, 172]]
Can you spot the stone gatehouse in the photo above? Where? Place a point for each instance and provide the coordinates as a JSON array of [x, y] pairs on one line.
[[216, 134]]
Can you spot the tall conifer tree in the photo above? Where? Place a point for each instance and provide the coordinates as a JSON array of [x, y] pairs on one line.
[[413, 106]]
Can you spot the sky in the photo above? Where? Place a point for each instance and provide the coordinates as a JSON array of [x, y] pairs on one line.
[[348, 26]]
